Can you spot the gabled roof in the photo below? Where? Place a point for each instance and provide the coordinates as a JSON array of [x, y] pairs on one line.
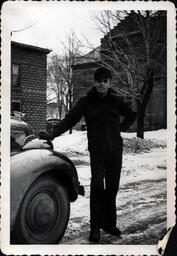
[[31, 47], [91, 57]]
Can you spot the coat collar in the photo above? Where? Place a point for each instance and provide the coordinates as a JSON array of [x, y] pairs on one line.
[[93, 94]]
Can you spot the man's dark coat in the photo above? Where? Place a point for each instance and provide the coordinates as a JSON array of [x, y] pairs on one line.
[[102, 117]]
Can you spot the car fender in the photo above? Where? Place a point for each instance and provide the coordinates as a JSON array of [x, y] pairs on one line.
[[28, 165]]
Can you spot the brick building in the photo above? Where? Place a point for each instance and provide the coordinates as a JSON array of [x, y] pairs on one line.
[[83, 77], [155, 116], [28, 83], [83, 73]]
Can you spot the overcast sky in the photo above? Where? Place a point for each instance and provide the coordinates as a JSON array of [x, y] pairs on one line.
[[46, 24]]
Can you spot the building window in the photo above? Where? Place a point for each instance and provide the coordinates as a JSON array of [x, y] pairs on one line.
[[16, 106], [15, 75]]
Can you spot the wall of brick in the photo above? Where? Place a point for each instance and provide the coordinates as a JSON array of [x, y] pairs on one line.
[[32, 87], [82, 83], [82, 80]]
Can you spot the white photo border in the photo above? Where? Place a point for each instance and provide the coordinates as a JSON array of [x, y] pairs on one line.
[[8, 248]]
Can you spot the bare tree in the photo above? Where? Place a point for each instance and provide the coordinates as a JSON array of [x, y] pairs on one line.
[[56, 85], [72, 49], [134, 48], [60, 72]]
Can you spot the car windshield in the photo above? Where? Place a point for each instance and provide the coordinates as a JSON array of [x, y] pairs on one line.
[[14, 145], [19, 131]]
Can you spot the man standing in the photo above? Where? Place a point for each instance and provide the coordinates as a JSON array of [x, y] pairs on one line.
[[101, 108]]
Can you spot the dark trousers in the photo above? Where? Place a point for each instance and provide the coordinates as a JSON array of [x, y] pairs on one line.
[[105, 170]]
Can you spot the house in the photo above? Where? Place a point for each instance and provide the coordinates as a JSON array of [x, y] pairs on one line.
[[52, 110], [83, 73], [155, 115], [28, 83]]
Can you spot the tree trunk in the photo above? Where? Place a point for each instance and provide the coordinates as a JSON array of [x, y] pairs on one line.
[[60, 111], [146, 92], [140, 120], [70, 105]]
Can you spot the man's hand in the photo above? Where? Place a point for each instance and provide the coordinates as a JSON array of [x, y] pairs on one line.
[[45, 136]]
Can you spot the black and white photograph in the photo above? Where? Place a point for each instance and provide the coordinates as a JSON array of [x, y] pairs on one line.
[[88, 127]]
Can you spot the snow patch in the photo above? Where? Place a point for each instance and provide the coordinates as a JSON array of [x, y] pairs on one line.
[[141, 200]]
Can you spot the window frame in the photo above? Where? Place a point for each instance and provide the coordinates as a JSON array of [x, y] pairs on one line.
[[17, 85], [16, 101]]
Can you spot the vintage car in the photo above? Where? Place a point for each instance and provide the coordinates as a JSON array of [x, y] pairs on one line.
[[43, 182]]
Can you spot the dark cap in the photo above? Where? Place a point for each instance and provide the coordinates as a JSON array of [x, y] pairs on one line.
[[102, 73]]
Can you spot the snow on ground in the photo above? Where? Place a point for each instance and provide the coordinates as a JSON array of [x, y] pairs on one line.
[[157, 135], [141, 200], [77, 141]]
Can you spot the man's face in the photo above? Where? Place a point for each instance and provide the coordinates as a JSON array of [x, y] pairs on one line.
[[102, 85]]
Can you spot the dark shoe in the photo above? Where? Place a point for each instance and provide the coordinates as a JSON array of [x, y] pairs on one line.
[[112, 230], [94, 235]]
